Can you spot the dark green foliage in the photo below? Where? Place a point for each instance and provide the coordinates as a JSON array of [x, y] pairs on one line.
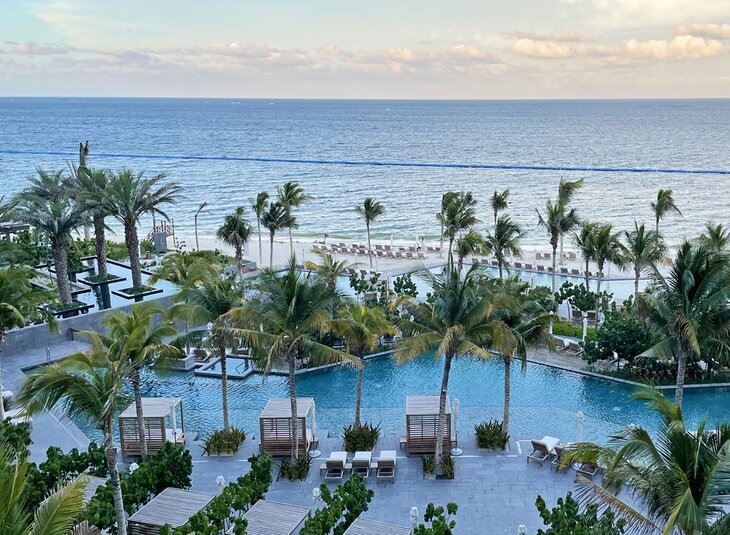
[[101, 278], [621, 332], [341, 508], [404, 285], [437, 520], [489, 435], [293, 469], [361, 438], [169, 467], [222, 441], [26, 248], [137, 290], [212, 257], [542, 295], [447, 466], [567, 519], [369, 288], [427, 462], [15, 438], [226, 510], [581, 297], [114, 250], [565, 328]]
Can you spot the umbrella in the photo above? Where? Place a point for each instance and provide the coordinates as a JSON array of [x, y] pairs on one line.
[[580, 417], [456, 451], [314, 453]]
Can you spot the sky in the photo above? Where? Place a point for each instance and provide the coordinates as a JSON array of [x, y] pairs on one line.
[[413, 49]]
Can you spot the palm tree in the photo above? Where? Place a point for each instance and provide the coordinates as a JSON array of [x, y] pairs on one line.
[[235, 231], [504, 240], [607, 247], [259, 205], [583, 239], [663, 205], [184, 269], [362, 327], [716, 237], [679, 476], [291, 195], [446, 199], [450, 325], [274, 219], [279, 326], [369, 212], [566, 191], [499, 202], [459, 215], [207, 303], [88, 385], [139, 337], [691, 307], [329, 269], [90, 187], [468, 244], [56, 515], [130, 196], [643, 248]]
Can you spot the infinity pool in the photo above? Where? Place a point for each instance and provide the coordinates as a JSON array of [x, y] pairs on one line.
[[544, 400]]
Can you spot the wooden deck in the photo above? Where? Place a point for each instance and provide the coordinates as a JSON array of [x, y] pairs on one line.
[[272, 518], [363, 526], [171, 506]]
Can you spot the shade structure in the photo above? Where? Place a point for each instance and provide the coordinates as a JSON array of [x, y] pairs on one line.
[[161, 425], [275, 426], [273, 518], [363, 526], [171, 506], [422, 424]]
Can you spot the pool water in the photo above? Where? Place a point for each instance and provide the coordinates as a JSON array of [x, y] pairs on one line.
[[545, 400]]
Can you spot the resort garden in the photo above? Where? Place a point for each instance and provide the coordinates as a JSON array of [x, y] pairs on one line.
[[285, 320]]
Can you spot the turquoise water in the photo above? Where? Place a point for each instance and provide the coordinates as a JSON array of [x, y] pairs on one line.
[[544, 400]]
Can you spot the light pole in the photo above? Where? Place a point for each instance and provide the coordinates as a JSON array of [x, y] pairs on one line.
[[200, 208]]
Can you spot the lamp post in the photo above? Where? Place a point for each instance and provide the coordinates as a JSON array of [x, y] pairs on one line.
[[200, 208]]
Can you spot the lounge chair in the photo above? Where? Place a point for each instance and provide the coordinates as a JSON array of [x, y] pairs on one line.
[[529, 267], [518, 265], [495, 263], [540, 268], [557, 461], [361, 463], [542, 449], [538, 256], [386, 465], [575, 271], [587, 470], [563, 271], [334, 467], [571, 256], [399, 255], [421, 255]]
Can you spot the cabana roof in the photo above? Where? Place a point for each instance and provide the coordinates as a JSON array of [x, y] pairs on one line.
[[272, 518], [152, 408], [281, 408], [171, 506], [424, 405], [363, 526]]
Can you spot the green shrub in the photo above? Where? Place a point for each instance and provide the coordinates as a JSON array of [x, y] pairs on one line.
[[489, 435], [565, 328], [620, 332], [439, 520], [222, 441], [447, 466], [361, 438], [428, 464], [567, 517], [293, 469], [15, 438], [341, 508]]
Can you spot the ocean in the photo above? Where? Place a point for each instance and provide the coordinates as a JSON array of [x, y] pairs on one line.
[[687, 134]]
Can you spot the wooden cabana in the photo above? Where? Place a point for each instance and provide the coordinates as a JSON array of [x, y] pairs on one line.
[[422, 417], [272, 518], [164, 421], [171, 506], [363, 526], [275, 426]]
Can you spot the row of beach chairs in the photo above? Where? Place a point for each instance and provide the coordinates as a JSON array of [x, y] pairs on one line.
[[362, 462], [568, 255], [539, 268], [550, 449], [381, 251]]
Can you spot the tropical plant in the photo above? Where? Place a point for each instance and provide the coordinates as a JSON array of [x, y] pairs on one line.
[[184, 269], [224, 441], [504, 240], [489, 435], [452, 325], [274, 219], [499, 201], [438, 520], [90, 188], [87, 385], [679, 476], [259, 205], [583, 240], [643, 248], [328, 269], [279, 325], [715, 237], [691, 307], [129, 197], [621, 334], [459, 215], [468, 244], [139, 337], [291, 195], [607, 247], [360, 437], [361, 326], [341, 507], [446, 199], [567, 518], [663, 205], [369, 212], [236, 231]]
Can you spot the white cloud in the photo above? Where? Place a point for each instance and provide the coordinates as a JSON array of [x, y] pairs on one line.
[[542, 49], [561, 37], [681, 47], [713, 31]]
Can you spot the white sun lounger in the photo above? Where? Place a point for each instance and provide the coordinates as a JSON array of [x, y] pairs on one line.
[[385, 465], [542, 449], [361, 463], [334, 467]]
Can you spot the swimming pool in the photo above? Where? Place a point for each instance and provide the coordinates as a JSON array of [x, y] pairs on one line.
[[544, 400]]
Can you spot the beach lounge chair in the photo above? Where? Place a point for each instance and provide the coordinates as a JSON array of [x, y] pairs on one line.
[[495, 263], [361, 463], [388, 248], [399, 255], [574, 348], [540, 268], [538, 256], [542, 449], [386, 465], [518, 265], [378, 247], [558, 457], [410, 256], [529, 267], [563, 271], [571, 256], [421, 255], [587, 470], [575, 271], [334, 467], [429, 249]]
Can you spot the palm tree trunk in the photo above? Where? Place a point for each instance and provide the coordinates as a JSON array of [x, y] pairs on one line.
[[293, 398], [561, 249], [637, 276], [499, 262], [224, 385], [442, 410], [450, 258], [60, 261], [136, 386], [130, 237], [261, 253], [271, 250], [111, 463], [358, 397], [441, 241], [656, 227], [239, 258], [495, 218], [598, 290], [681, 370], [588, 260], [555, 250], [99, 241], [507, 393], [291, 244], [370, 253]]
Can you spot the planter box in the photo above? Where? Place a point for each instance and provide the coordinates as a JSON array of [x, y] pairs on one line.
[[96, 284], [78, 308], [136, 296]]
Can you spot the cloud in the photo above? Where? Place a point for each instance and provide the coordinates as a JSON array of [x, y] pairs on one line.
[[34, 49], [712, 31], [681, 47], [560, 37]]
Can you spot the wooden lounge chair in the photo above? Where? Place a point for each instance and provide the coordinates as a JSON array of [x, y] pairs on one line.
[[361, 463], [334, 467], [386, 465], [542, 449]]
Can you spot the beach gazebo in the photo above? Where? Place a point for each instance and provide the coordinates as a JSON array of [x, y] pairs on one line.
[[275, 426], [171, 506], [363, 526], [164, 421], [272, 518], [422, 417]]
